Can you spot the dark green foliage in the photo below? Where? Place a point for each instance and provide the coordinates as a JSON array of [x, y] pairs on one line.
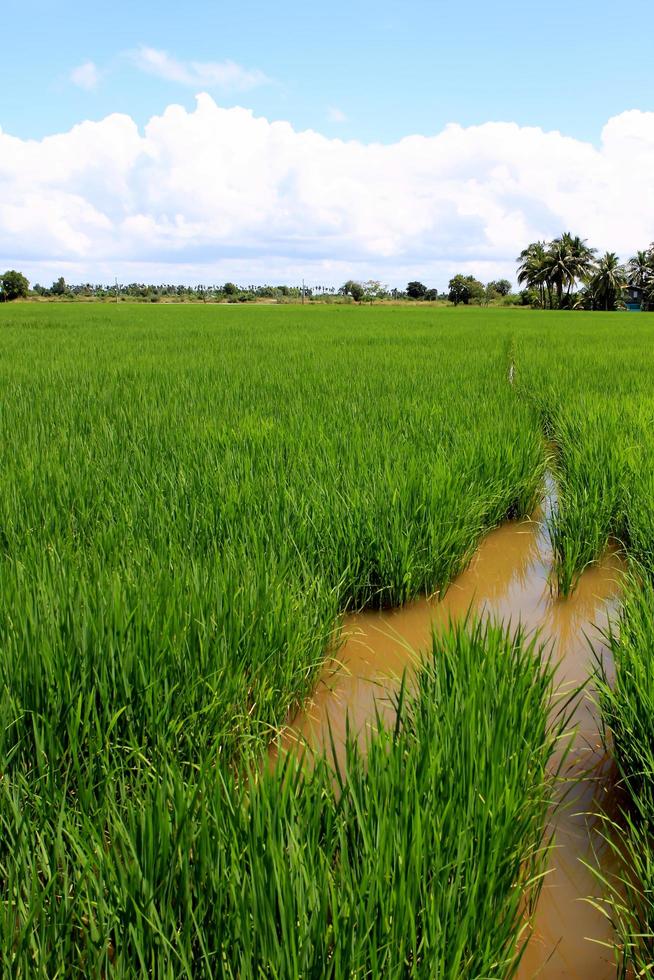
[[465, 289], [416, 290], [13, 285], [354, 289], [500, 286], [553, 268]]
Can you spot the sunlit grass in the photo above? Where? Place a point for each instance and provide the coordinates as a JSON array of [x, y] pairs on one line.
[[421, 858], [628, 713], [189, 499]]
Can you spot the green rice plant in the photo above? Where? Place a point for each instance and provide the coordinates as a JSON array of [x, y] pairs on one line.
[[189, 499], [588, 381], [588, 467], [592, 385], [450, 808], [191, 496], [423, 857], [627, 899], [627, 706]]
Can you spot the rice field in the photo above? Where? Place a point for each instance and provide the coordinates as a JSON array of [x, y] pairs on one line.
[[191, 499]]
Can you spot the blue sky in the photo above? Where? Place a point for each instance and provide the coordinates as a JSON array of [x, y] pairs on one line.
[[391, 68], [122, 152]]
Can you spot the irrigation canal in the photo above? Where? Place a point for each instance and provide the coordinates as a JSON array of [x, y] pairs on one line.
[[509, 578]]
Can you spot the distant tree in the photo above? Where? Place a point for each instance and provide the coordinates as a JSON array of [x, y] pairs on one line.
[[59, 287], [533, 272], [416, 290], [530, 297], [606, 285], [464, 289], [500, 286], [230, 289], [568, 259], [476, 290], [374, 289], [458, 290], [490, 293], [353, 289], [640, 270], [431, 295], [553, 268], [13, 285]]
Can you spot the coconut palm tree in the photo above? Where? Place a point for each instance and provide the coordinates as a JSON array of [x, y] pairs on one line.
[[583, 257], [568, 260], [532, 270], [606, 285], [641, 268]]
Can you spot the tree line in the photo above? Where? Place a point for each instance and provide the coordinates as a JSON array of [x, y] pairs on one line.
[[567, 273], [461, 289], [14, 285]]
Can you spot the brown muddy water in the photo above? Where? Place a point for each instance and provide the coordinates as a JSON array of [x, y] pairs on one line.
[[509, 577]]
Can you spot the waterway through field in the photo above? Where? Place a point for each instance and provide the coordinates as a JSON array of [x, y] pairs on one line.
[[508, 578]]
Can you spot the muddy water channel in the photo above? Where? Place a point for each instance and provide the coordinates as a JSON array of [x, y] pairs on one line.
[[508, 578]]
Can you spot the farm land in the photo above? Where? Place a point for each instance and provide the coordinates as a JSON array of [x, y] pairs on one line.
[[193, 500]]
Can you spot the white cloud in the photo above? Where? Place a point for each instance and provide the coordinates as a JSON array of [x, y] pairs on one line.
[[85, 76], [213, 193], [226, 75], [336, 115]]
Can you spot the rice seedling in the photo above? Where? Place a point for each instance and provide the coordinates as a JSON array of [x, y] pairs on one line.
[[628, 714], [421, 858], [188, 502], [591, 384], [190, 497]]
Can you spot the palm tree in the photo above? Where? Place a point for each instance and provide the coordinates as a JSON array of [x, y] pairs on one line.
[[641, 267], [607, 283], [583, 258], [568, 259], [532, 270]]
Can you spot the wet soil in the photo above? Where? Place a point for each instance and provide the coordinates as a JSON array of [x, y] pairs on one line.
[[509, 577]]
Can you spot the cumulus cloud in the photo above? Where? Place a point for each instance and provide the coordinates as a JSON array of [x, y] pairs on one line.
[[85, 76], [218, 193], [225, 75]]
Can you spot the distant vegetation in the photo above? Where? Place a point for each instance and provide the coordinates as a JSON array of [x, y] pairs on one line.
[[461, 289], [13, 285], [567, 274]]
